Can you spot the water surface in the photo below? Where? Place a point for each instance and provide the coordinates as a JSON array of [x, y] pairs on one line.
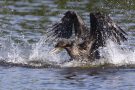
[[23, 25]]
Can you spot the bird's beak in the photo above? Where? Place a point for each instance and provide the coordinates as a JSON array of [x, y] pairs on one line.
[[56, 50]]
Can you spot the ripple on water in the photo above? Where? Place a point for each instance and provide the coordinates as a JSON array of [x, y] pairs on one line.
[[23, 24]]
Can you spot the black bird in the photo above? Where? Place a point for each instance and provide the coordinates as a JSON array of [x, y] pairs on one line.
[[82, 43]]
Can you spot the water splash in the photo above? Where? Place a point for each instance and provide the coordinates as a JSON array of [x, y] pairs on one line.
[[38, 55], [118, 54], [41, 52], [112, 54]]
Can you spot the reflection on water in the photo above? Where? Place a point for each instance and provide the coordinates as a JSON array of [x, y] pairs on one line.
[[23, 23]]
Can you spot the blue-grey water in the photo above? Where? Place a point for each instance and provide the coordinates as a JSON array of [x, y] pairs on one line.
[[25, 61]]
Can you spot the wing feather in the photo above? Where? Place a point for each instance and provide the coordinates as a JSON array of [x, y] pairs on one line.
[[70, 26], [103, 28]]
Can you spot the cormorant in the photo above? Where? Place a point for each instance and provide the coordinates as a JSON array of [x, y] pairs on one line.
[[79, 41]]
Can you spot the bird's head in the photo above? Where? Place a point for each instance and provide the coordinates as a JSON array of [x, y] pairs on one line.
[[63, 44]]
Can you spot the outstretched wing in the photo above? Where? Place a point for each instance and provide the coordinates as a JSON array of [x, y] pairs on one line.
[[71, 25], [103, 28]]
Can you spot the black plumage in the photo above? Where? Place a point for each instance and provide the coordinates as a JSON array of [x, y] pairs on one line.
[[79, 40]]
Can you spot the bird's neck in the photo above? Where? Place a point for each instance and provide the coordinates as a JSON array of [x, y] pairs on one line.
[[70, 51]]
